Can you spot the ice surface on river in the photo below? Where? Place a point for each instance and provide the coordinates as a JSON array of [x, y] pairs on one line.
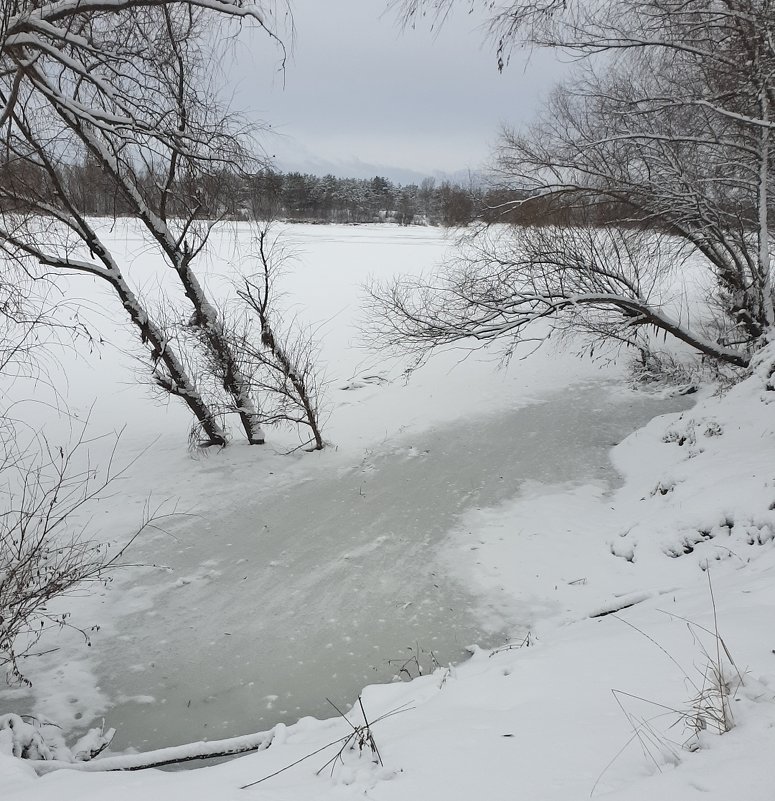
[[308, 593]]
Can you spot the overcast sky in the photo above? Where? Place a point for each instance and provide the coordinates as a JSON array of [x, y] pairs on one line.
[[359, 88]]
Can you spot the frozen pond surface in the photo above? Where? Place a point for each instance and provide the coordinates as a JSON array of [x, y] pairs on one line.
[[307, 593]]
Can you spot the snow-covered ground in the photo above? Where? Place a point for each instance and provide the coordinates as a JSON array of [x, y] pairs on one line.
[[493, 484]]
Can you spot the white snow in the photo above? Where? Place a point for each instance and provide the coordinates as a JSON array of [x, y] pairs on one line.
[[606, 590]]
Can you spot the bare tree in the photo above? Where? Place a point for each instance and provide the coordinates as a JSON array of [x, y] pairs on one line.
[[34, 318], [668, 135], [29, 239], [46, 552], [281, 362], [129, 82], [605, 282], [506, 23]]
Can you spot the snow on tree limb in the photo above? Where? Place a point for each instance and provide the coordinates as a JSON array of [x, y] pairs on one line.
[[167, 756], [126, 81]]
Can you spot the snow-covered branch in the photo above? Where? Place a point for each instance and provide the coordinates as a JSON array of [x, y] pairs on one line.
[[128, 85], [602, 280], [174, 755]]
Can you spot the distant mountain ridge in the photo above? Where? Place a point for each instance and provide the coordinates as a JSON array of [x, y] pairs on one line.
[[355, 168]]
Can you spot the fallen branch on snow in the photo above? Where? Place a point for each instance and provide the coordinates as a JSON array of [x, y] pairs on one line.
[[167, 756]]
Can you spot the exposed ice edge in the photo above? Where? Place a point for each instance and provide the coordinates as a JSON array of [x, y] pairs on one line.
[[205, 749]]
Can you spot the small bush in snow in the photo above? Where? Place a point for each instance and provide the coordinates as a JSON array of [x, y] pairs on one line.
[[45, 554], [28, 738]]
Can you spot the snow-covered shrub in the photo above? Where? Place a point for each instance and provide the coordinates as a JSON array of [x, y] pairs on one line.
[[22, 739], [33, 739]]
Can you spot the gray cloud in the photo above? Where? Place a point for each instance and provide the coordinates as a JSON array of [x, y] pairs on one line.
[[357, 87]]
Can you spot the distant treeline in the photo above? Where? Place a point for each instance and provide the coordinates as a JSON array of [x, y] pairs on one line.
[[298, 197], [302, 197], [267, 194], [310, 198]]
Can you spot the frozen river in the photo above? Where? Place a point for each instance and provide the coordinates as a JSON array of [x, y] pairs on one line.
[[320, 588]]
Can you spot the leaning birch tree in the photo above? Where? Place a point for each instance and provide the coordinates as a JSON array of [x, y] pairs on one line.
[[128, 82]]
